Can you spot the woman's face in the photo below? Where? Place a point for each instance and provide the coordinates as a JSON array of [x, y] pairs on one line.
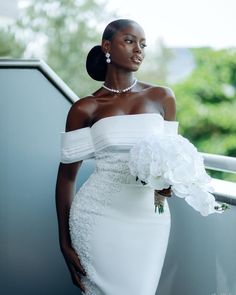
[[127, 47]]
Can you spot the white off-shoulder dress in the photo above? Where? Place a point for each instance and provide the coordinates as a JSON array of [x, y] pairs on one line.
[[119, 238]]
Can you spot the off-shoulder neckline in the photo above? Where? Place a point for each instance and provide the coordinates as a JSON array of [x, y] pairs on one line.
[[126, 115], [119, 116]]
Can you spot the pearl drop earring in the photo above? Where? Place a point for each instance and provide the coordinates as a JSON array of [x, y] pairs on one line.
[[108, 60]]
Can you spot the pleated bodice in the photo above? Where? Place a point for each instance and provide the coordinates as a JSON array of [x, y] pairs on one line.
[[115, 134]]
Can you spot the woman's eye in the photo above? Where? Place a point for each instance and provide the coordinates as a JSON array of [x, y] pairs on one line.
[[143, 45], [128, 41]]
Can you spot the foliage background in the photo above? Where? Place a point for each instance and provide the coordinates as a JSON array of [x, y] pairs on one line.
[[65, 30]]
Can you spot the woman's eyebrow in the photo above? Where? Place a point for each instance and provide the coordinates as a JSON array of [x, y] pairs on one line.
[[134, 36]]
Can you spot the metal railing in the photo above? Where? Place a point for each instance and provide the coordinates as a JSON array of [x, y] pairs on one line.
[[219, 162], [45, 70], [224, 190]]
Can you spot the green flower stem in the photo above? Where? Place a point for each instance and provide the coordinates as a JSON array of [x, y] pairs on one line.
[[222, 207]]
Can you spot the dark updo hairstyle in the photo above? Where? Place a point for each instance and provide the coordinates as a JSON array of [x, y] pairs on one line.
[[96, 61]]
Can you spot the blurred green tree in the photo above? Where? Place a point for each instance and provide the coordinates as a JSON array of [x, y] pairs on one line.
[[65, 30], [10, 47], [207, 103]]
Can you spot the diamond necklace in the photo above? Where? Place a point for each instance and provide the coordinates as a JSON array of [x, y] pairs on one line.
[[120, 91]]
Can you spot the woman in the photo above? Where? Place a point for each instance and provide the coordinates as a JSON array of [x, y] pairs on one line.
[[111, 238]]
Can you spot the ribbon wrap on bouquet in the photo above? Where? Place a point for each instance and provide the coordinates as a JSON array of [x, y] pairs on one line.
[[162, 160]]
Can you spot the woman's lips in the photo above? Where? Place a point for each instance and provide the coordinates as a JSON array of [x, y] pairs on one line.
[[136, 59]]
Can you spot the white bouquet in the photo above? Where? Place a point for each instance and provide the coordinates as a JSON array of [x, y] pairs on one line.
[[162, 161]]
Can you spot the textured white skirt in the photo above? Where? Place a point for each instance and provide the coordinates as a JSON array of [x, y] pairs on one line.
[[118, 237]]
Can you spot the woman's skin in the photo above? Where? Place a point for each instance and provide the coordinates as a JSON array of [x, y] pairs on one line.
[[127, 50]]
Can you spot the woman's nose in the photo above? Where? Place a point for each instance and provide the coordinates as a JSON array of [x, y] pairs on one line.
[[137, 48]]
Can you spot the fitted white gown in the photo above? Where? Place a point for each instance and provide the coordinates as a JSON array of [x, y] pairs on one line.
[[120, 240]]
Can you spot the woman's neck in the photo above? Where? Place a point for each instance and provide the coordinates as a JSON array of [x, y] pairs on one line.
[[119, 80]]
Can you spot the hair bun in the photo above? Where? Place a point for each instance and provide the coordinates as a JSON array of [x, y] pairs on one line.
[[96, 63]]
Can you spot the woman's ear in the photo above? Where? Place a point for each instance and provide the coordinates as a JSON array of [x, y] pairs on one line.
[[106, 44]]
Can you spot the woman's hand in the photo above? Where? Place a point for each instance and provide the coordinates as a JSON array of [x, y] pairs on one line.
[[166, 192], [74, 265], [159, 198]]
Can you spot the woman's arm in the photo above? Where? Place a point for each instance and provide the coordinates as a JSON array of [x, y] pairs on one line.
[[169, 105], [65, 190], [77, 118]]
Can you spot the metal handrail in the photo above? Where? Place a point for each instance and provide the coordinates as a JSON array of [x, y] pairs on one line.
[[40, 65], [224, 191], [219, 162]]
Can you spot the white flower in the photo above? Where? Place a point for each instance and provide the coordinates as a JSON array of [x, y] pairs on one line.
[[164, 160]]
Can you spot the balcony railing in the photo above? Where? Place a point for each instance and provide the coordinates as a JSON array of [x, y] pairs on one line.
[[45, 70], [225, 191]]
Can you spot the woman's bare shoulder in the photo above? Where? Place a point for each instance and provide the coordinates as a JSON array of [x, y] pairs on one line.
[[81, 113], [158, 91], [164, 95]]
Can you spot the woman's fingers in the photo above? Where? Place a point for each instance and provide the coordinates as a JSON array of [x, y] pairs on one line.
[[77, 264], [75, 267], [166, 192], [72, 258], [79, 269], [76, 278]]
